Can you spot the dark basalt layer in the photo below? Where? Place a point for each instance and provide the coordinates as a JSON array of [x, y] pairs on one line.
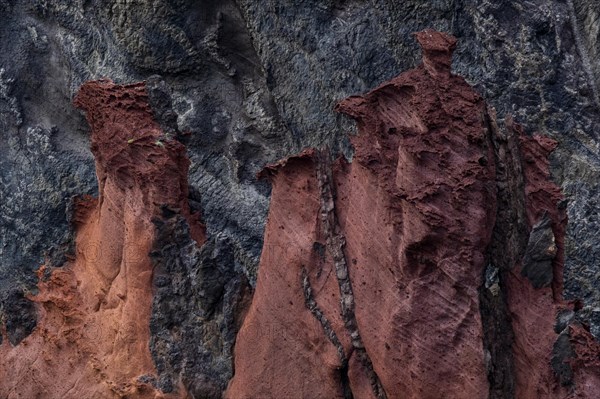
[[199, 299]]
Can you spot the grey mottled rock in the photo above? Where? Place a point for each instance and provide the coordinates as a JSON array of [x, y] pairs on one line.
[[539, 254], [196, 309], [562, 352]]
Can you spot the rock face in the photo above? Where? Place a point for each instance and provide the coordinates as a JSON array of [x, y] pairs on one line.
[[392, 228], [94, 313], [406, 260], [243, 84], [255, 82]]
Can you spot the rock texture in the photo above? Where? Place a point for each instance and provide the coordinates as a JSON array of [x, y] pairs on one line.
[[245, 83], [248, 79], [94, 312], [391, 228]]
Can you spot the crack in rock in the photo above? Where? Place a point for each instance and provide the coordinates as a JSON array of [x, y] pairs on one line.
[[311, 304], [335, 246], [540, 253]]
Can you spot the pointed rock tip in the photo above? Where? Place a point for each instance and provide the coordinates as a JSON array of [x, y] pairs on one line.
[[431, 40], [351, 106], [437, 50]]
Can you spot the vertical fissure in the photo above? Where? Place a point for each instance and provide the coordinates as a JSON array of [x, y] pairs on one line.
[[335, 246], [503, 253], [497, 335], [313, 307], [583, 53]]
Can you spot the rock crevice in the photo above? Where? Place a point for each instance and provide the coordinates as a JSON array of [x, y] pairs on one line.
[[335, 246], [406, 261], [446, 237]]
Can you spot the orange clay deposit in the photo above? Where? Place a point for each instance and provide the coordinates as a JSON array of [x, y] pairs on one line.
[[92, 336]]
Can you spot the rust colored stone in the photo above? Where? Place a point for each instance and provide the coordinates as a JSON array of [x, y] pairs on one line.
[[92, 338], [281, 344], [422, 162], [132, 151], [437, 52], [372, 271], [84, 205], [534, 310], [406, 230], [586, 362]]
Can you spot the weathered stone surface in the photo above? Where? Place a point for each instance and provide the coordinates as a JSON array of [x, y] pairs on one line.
[[539, 254], [406, 261], [255, 81], [93, 335], [199, 297], [246, 107], [562, 353]]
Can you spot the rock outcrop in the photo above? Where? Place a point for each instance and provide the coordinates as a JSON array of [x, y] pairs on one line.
[[253, 82], [384, 278], [432, 259], [92, 337]]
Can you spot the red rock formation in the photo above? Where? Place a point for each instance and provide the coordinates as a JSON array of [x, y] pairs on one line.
[[534, 309], [393, 248], [368, 283], [93, 331], [585, 363]]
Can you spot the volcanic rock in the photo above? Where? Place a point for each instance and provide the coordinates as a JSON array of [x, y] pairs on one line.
[[399, 278], [371, 282], [431, 261], [92, 337]]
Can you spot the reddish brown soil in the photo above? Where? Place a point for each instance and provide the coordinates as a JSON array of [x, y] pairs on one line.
[[93, 329]]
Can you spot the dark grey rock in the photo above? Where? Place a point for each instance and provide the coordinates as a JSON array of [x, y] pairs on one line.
[[19, 323], [159, 97], [589, 316], [562, 352], [540, 253], [196, 309], [563, 319], [37, 183], [595, 323]]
